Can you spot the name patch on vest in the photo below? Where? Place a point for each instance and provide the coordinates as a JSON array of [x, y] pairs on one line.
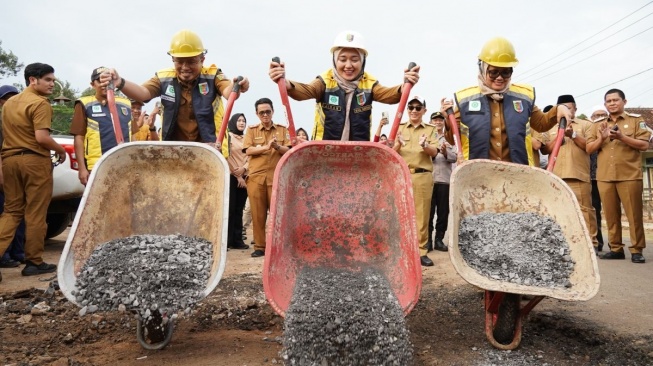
[[170, 90], [362, 109], [519, 107], [475, 106], [204, 88], [98, 115], [334, 100], [332, 107], [169, 99], [97, 109]]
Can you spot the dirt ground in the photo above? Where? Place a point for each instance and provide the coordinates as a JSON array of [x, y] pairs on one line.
[[236, 326]]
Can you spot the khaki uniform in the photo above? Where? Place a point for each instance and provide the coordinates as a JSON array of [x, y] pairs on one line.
[[420, 165], [619, 176], [573, 166], [261, 174], [27, 170]]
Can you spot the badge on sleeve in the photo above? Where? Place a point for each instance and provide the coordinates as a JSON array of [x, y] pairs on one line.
[[475, 106], [97, 108], [333, 100], [360, 98], [519, 107], [204, 88]]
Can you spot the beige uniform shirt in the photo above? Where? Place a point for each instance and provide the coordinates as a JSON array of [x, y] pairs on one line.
[[22, 115], [412, 152], [261, 167], [573, 162], [617, 161]]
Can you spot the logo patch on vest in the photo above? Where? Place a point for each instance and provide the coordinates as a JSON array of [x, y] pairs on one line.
[[123, 110], [204, 88], [170, 90], [475, 106], [360, 98], [519, 107], [642, 125], [97, 109], [334, 100]]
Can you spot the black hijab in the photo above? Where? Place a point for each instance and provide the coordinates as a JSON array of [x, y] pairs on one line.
[[233, 122]]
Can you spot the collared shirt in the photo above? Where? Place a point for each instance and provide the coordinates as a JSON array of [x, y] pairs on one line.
[[187, 129], [315, 90], [22, 116], [443, 165], [237, 158], [572, 161], [261, 167], [616, 161], [412, 152]]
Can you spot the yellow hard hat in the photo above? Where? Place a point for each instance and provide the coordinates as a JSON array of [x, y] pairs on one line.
[[186, 44], [498, 52]]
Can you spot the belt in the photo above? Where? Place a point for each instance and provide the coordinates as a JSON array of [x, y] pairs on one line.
[[418, 170], [24, 152]]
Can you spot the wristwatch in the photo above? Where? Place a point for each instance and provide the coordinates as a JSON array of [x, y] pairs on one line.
[[573, 135]]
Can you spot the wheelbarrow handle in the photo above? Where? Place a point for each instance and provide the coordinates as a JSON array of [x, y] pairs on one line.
[[113, 111], [455, 131], [283, 93], [227, 112], [401, 107], [553, 156]]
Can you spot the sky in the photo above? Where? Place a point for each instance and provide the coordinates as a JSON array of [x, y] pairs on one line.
[[580, 47]]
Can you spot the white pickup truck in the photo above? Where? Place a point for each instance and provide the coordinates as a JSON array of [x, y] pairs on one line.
[[66, 191]]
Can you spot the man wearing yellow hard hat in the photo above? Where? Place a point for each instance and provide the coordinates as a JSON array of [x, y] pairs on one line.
[[190, 92], [496, 116]]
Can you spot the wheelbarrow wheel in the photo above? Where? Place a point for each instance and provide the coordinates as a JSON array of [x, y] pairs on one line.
[[155, 333], [506, 319]]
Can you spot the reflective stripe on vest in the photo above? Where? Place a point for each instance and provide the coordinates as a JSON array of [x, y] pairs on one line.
[[518, 102], [100, 136], [330, 111]]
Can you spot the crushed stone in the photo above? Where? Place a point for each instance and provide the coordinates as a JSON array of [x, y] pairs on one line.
[[338, 317], [145, 274], [521, 248]]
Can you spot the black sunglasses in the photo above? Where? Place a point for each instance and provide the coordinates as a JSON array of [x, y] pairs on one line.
[[265, 113], [415, 107], [494, 73]]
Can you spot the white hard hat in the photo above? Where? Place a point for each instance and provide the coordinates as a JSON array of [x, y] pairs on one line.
[[349, 39]]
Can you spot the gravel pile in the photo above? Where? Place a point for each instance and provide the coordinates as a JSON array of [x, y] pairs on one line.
[[339, 317], [145, 273], [522, 248]]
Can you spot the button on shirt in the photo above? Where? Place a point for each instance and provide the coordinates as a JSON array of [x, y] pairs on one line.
[[261, 167], [412, 152], [572, 161]]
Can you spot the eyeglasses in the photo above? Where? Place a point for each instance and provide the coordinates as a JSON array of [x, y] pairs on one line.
[[265, 113], [187, 62], [415, 107], [494, 73]]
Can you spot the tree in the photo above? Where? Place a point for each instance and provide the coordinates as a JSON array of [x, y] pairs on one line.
[[61, 119], [88, 92], [582, 116], [9, 65], [67, 92]]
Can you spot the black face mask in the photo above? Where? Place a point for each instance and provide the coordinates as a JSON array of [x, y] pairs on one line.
[[233, 121]]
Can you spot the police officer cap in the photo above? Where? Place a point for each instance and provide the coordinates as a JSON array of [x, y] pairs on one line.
[[6, 89], [435, 115], [567, 98]]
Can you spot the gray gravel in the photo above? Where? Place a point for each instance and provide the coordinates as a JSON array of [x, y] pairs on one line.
[[145, 273], [338, 317], [522, 248]]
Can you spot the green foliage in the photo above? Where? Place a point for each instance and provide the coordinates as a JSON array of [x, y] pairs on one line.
[[9, 65], [67, 92], [88, 92], [582, 116], [63, 116]]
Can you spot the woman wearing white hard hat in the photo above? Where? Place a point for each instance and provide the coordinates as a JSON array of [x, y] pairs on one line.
[[344, 93]]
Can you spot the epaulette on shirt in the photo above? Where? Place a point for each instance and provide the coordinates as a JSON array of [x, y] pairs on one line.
[[634, 115], [601, 119], [255, 126]]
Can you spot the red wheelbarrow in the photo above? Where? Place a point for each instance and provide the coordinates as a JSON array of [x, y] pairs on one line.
[[345, 205]]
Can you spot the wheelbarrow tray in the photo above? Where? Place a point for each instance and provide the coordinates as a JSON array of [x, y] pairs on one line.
[[345, 205], [157, 188], [479, 186]]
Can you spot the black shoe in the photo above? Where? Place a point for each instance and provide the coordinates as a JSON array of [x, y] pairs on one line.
[[429, 246], [258, 253], [9, 263], [426, 261], [613, 255], [34, 270], [241, 246], [637, 258], [440, 245], [252, 242]]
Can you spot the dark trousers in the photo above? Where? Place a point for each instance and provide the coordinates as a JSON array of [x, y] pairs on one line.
[[596, 202], [237, 198], [16, 250], [439, 205]]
